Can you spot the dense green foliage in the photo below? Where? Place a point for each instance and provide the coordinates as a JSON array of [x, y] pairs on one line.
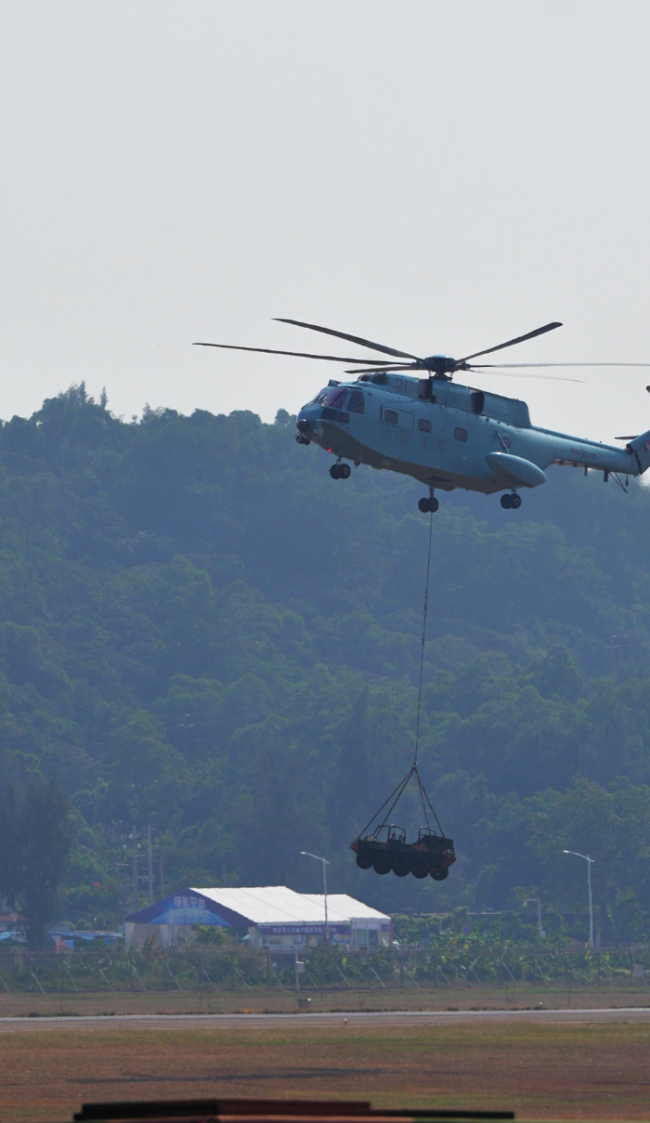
[[36, 833], [202, 632], [524, 971]]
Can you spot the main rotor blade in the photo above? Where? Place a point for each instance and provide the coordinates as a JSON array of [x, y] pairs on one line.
[[383, 370], [350, 338], [496, 366], [511, 374], [511, 342], [269, 351]]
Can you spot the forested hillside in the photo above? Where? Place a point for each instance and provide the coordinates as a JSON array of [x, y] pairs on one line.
[[202, 632]]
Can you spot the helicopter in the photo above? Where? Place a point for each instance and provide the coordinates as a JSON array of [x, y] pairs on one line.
[[444, 434]]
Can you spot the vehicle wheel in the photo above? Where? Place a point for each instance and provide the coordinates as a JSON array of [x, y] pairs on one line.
[[423, 505], [382, 863], [335, 472], [420, 866], [344, 471], [402, 865], [302, 439], [515, 502], [440, 875], [506, 501], [364, 859], [433, 504]]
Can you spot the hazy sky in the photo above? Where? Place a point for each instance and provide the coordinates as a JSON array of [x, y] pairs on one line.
[[436, 174]]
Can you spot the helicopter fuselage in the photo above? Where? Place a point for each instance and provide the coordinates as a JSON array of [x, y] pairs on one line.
[[451, 436]]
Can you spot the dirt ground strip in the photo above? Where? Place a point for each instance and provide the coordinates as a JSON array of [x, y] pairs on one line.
[[274, 1000], [551, 1071]]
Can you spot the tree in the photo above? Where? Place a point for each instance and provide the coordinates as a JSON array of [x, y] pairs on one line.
[[613, 828], [36, 823]]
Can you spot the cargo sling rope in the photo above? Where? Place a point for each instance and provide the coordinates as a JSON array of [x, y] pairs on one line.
[[397, 793]]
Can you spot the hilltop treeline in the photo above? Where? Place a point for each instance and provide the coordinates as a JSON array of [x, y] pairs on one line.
[[203, 633]]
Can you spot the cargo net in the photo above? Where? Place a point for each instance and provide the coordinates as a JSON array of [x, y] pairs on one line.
[[384, 847]]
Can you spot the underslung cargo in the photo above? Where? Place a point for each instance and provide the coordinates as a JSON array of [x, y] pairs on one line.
[[387, 850], [383, 847]]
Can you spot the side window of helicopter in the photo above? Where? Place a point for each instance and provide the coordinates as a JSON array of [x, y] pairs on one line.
[[390, 416], [424, 425], [356, 403], [460, 434]]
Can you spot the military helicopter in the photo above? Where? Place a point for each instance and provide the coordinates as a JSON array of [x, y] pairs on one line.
[[441, 433]]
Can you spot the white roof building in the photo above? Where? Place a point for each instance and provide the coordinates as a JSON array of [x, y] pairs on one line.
[[274, 916]]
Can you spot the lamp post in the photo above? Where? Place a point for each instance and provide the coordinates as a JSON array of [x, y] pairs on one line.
[[325, 862], [590, 862]]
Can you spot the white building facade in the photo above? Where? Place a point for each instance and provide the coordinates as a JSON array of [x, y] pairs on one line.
[[273, 917]]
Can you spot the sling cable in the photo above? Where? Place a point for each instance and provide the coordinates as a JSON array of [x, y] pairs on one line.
[[382, 845]]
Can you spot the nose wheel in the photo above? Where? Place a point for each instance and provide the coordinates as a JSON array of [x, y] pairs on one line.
[[511, 502], [340, 471]]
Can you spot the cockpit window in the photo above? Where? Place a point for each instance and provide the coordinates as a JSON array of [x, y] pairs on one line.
[[356, 403], [336, 398]]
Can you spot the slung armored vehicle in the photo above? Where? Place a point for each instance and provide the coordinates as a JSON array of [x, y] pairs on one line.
[[388, 850]]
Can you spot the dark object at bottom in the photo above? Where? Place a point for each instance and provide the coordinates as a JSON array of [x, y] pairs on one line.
[[321, 1110], [431, 854]]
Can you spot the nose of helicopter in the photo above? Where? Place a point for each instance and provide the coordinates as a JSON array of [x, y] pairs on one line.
[[307, 416], [305, 423]]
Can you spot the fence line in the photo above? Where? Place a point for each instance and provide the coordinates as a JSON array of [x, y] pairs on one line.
[[188, 968]]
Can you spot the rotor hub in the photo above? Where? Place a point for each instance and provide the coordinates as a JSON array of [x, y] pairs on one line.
[[442, 366], [439, 364]]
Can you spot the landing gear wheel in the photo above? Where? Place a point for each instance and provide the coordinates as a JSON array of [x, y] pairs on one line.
[[515, 502], [440, 875], [302, 439], [364, 859], [428, 505], [506, 501], [335, 472], [383, 863], [344, 471]]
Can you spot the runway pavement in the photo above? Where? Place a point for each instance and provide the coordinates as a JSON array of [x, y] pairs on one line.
[[388, 1018]]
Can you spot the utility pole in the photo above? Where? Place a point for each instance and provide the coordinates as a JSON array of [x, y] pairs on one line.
[[149, 866], [134, 881], [536, 901]]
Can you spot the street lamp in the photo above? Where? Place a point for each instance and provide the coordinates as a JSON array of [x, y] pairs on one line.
[[590, 862], [325, 862]]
